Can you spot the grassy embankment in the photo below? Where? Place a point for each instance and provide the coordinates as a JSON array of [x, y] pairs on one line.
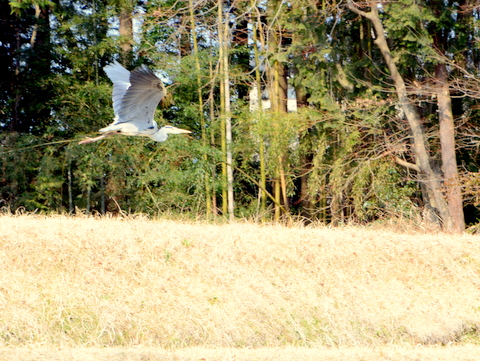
[[88, 282]]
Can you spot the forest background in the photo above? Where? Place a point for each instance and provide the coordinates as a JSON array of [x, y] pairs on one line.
[[369, 110]]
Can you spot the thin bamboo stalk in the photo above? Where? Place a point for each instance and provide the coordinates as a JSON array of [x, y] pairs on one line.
[[200, 106]]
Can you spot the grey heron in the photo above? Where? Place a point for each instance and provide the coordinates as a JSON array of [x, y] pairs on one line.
[[135, 97]]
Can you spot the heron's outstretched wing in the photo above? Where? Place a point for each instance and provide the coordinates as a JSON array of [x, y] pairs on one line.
[[120, 78], [141, 98]]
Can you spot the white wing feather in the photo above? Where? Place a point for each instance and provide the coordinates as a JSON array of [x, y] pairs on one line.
[[120, 78]]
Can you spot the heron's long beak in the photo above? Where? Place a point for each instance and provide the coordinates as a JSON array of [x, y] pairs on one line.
[[180, 131]]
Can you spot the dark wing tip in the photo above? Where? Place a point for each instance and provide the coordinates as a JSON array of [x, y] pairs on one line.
[[143, 76]]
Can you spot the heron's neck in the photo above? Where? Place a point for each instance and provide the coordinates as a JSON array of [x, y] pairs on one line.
[[160, 135]]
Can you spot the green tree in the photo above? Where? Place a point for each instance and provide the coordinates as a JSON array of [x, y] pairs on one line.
[[420, 26]]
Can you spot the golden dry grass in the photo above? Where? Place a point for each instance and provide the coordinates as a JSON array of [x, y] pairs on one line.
[[386, 353], [220, 291]]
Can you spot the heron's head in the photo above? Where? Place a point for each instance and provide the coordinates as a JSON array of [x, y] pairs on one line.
[[174, 130], [162, 134]]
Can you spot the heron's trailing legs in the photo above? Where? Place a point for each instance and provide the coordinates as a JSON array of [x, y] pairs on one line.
[[91, 140]]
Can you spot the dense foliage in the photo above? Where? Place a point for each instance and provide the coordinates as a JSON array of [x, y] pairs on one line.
[[335, 157]]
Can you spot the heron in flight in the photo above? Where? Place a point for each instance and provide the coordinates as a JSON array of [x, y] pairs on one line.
[[135, 97]]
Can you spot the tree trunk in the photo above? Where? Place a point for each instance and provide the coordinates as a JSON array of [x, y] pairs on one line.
[[278, 105], [277, 89], [70, 186], [225, 79], [429, 175], [228, 131], [200, 109], [447, 141], [212, 171], [223, 141], [256, 25], [126, 32]]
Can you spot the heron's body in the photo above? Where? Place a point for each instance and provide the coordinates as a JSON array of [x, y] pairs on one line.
[[135, 97]]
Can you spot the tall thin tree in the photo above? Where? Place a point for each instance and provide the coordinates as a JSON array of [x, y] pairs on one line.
[[200, 106]]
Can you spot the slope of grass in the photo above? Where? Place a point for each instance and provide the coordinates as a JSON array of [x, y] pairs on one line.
[[89, 282]]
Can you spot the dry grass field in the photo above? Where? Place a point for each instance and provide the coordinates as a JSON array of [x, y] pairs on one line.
[[86, 288]]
